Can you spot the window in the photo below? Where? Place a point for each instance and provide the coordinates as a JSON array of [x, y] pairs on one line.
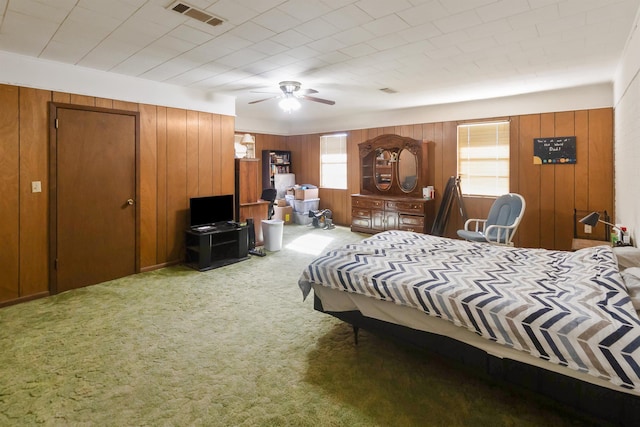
[[483, 158], [333, 161]]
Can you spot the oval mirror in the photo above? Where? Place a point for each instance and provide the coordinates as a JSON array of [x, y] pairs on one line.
[[407, 170], [383, 169]]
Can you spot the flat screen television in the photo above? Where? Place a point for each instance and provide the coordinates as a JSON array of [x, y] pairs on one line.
[[210, 210]]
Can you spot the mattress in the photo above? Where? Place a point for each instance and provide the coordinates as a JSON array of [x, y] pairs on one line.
[[569, 309]]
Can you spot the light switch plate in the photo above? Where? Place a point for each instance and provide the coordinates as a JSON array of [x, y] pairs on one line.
[[36, 187]]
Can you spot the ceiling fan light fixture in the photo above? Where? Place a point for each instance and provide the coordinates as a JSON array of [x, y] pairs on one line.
[[289, 104]]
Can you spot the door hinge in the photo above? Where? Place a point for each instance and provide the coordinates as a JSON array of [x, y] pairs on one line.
[[56, 124]]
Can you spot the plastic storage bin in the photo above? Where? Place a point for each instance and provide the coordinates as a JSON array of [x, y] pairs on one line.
[[302, 218], [304, 206], [272, 230]]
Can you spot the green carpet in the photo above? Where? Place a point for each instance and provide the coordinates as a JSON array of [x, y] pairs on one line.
[[235, 346]]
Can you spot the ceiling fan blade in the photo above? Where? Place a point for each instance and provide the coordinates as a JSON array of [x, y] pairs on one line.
[[313, 98], [308, 91], [264, 99]]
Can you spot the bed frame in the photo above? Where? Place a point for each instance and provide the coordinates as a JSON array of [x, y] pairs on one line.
[[600, 402]]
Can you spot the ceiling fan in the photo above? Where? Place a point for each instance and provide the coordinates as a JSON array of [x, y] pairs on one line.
[[291, 93]]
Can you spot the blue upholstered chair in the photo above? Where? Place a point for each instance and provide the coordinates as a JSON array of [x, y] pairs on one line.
[[501, 223]]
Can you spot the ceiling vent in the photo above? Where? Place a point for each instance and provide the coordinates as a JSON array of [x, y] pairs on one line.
[[195, 13]]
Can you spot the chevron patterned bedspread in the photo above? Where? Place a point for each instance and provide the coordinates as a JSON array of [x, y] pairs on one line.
[[570, 308]]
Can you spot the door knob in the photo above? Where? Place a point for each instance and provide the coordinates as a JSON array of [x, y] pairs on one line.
[[130, 202]]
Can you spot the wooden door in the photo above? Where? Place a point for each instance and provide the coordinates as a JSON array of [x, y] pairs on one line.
[[94, 222]]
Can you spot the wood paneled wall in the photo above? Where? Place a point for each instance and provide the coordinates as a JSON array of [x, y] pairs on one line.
[[551, 191], [183, 154]]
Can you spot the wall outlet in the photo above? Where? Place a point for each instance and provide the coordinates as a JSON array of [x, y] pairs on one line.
[[587, 229], [36, 187]]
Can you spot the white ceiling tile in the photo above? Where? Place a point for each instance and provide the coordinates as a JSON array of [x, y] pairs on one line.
[[334, 57], [441, 53], [380, 8], [348, 17], [317, 29], [326, 45], [478, 44], [283, 59], [459, 21], [260, 67], [517, 35], [230, 41], [423, 13], [113, 8], [157, 14], [388, 25], [261, 6], [39, 10], [493, 28], [232, 11], [562, 24], [353, 36], [26, 32], [358, 50], [192, 35], [389, 42], [303, 52], [269, 47], [108, 54], [544, 14], [457, 6], [190, 77], [252, 32], [304, 10], [172, 45], [241, 57], [450, 39], [421, 32], [502, 9], [139, 64], [277, 21], [291, 38], [166, 70]]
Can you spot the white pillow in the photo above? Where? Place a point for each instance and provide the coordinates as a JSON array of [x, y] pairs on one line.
[[627, 256], [631, 278]]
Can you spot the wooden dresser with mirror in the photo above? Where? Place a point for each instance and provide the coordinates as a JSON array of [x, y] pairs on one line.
[[393, 173]]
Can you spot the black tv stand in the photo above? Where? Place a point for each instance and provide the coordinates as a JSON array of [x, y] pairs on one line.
[[217, 246]]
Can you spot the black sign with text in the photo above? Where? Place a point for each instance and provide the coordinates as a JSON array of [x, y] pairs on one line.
[[556, 150]]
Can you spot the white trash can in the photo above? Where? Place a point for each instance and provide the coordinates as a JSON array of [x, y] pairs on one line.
[[272, 230]]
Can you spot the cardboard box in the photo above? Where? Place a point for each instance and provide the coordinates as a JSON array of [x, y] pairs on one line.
[[283, 213], [309, 193], [281, 202]]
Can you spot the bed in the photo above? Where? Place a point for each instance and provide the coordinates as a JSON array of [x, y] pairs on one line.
[[561, 323]]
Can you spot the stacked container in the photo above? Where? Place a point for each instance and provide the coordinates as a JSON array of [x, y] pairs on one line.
[[301, 210]]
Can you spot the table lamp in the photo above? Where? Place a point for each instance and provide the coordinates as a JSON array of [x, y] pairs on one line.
[[594, 218]]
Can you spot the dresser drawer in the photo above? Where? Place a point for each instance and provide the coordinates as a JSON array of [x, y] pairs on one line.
[[411, 223], [361, 202], [405, 206], [360, 213], [412, 220], [361, 223]]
